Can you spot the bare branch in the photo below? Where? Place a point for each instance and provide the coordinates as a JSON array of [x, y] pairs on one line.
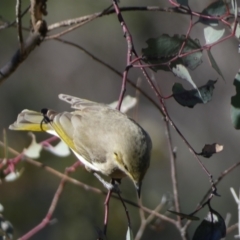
[[7, 25], [19, 25], [75, 21], [145, 222], [35, 38], [52, 207], [232, 228], [82, 22]]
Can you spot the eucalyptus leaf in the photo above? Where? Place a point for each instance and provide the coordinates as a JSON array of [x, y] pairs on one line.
[[189, 98], [215, 9], [163, 49], [212, 35], [211, 228], [214, 64], [182, 72], [235, 102], [129, 235]]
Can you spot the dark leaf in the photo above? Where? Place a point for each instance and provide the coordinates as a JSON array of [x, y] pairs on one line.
[[183, 2], [215, 9], [210, 149], [164, 48], [235, 102], [211, 228], [189, 98], [183, 215]]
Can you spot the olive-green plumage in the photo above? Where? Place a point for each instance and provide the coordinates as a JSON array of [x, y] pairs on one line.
[[104, 139]]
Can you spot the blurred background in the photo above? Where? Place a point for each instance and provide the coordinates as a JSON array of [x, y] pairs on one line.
[[54, 68]]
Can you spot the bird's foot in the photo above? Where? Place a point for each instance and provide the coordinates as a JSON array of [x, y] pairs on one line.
[[113, 186]]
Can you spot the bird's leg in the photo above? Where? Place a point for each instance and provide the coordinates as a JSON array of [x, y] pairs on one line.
[[109, 186]]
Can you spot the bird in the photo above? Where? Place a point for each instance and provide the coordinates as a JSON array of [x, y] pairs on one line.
[[104, 139]]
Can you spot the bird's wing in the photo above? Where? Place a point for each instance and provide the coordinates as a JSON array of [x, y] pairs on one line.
[[82, 104], [66, 129], [88, 138]]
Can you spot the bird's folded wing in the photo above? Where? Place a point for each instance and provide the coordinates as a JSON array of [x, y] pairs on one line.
[[82, 104]]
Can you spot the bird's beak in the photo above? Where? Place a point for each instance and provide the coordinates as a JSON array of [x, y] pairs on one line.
[[138, 186]]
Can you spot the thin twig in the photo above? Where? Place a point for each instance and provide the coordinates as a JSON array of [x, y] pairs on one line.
[[221, 176], [106, 203], [83, 21], [52, 171], [237, 200], [52, 207], [173, 172], [146, 221], [13, 23], [126, 210], [232, 228], [74, 21], [19, 25], [5, 141], [182, 10], [130, 49], [111, 69]]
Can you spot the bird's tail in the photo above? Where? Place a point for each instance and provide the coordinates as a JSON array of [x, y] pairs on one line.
[[29, 120]]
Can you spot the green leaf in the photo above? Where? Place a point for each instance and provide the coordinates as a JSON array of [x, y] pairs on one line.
[[189, 98], [211, 228], [181, 72], [129, 234], [215, 9], [186, 216], [183, 2], [214, 64], [164, 48], [235, 102], [212, 35]]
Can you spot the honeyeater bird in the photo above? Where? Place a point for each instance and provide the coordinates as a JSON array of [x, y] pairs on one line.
[[105, 140]]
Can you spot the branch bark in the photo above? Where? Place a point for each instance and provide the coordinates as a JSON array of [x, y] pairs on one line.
[[37, 9]]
